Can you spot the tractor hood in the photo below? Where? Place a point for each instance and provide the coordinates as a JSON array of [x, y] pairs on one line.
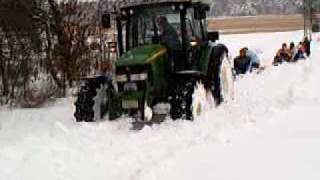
[[141, 55]]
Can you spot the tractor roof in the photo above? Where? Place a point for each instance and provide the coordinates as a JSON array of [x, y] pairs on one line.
[[153, 3]]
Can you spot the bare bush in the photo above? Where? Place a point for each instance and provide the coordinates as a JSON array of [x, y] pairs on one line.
[[46, 39]]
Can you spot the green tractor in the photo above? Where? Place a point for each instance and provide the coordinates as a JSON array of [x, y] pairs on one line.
[[149, 71]]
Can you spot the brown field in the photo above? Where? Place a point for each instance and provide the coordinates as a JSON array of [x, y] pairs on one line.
[[250, 24]]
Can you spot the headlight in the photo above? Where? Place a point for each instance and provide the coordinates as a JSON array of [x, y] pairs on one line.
[[193, 43], [139, 77], [122, 78]]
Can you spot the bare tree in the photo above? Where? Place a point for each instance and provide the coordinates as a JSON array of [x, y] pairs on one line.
[[72, 24], [20, 39], [46, 38]]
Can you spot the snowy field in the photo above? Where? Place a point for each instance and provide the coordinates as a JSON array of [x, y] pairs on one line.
[[270, 131]]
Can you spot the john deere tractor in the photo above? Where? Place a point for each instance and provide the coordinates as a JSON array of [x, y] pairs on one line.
[[148, 71]]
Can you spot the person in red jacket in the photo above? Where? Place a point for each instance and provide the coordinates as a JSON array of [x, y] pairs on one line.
[[300, 52]]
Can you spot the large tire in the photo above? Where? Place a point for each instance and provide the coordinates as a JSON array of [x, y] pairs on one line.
[[181, 102], [219, 82], [190, 100], [214, 81], [92, 102]]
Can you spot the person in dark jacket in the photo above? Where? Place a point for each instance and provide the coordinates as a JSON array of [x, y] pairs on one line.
[[242, 62], [170, 39], [306, 44], [169, 36]]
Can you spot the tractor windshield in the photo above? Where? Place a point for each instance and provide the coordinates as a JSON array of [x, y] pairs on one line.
[[143, 27]]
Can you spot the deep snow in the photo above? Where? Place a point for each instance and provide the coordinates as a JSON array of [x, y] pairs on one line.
[[270, 131]]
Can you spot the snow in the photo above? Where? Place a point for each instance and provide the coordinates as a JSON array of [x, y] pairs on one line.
[[274, 150], [270, 131]]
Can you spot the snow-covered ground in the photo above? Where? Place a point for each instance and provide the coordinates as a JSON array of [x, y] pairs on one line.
[[270, 131]]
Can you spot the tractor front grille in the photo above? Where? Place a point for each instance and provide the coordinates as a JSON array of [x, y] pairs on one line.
[[131, 78], [131, 86]]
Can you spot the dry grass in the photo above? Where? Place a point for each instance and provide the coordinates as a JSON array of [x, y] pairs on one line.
[[248, 24]]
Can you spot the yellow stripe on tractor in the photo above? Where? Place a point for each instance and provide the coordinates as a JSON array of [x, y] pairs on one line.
[[156, 55]]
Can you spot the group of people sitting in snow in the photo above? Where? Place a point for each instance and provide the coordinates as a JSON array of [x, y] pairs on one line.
[[248, 60], [293, 53]]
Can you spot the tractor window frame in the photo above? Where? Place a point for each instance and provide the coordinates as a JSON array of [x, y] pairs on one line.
[[133, 25], [195, 24]]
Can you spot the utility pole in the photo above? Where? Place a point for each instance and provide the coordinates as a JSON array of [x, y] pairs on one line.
[[307, 17], [304, 18], [311, 18]]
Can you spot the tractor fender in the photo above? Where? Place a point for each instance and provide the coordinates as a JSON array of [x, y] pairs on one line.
[[213, 80], [214, 51], [217, 50], [215, 58]]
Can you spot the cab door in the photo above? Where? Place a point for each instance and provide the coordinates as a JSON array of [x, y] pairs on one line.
[[195, 37]]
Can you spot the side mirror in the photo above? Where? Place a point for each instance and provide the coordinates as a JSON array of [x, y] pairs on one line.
[[213, 36], [106, 21], [200, 11]]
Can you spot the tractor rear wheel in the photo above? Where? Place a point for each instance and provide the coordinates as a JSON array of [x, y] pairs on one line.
[[190, 101], [218, 79]]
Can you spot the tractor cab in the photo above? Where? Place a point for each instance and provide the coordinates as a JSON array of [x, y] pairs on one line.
[[139, 25]]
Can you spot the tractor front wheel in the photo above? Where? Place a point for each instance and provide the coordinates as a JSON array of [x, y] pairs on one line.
[[181, 101], [93, 100]]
